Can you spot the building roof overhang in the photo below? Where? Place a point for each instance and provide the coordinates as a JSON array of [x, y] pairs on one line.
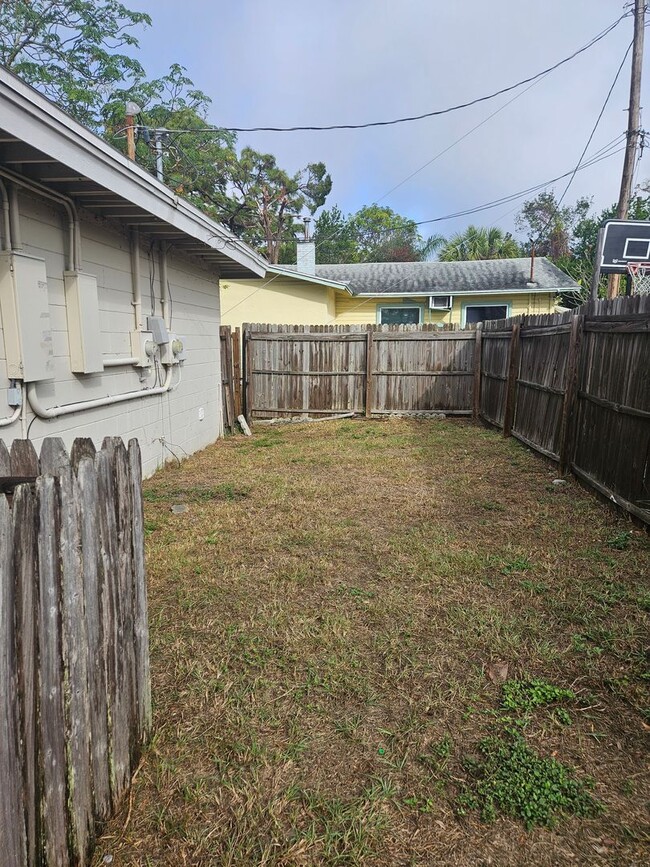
[[41, 142]]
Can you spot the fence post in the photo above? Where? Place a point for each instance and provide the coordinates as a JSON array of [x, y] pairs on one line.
[[477, 370], [370, 337], [511, 383], [236, 363], [568, 406]]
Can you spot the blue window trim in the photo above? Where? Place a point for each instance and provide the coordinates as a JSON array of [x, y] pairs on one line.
[[401, 305], [466, 304]]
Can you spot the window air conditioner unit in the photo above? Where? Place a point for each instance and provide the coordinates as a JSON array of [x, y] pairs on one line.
[[440, 302]]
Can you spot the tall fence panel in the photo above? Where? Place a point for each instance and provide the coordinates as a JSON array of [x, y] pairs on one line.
[[612, 416], [329, 370], [75, 699], [580, 386]]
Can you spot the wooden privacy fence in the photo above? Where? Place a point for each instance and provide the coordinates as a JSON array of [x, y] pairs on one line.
[[75, 697], [373, 370], [573, 386], [576, 388]]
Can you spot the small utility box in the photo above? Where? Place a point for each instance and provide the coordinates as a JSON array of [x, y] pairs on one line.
[[26, 317], [84, 335]]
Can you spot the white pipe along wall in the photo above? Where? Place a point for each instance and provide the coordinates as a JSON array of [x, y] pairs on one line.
[[129, 395]]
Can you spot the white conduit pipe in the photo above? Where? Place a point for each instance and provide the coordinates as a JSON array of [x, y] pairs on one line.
[[68, 408], [10, 419], [74, 235], [120, 362], [6, 223]]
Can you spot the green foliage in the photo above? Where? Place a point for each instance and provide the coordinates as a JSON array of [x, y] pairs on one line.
[[70, 49], [568, 235], [479, 243], [266, 200], [375, 233], [526, 695], [509, 777], [620, 541]]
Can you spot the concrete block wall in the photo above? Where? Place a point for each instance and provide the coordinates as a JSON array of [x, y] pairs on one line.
[[173, 416]]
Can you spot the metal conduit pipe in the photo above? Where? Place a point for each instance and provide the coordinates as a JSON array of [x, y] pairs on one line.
[[164, 286], [14, 219], [74, 235], [135, 279], [68, 408], [6, 221]]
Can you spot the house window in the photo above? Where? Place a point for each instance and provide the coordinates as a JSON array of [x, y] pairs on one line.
[[480, 313], [399, 315]]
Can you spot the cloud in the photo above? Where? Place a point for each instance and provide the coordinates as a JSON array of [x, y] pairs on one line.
[[287, 62]]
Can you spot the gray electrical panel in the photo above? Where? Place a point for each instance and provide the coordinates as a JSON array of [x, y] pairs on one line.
[[26, 317]]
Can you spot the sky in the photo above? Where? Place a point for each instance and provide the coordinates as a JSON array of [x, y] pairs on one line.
[[288, 63]]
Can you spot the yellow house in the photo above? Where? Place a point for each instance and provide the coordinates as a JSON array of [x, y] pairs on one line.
[[390, 293]]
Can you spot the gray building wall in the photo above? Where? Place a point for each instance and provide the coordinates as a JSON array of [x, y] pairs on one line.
[[173, 416]]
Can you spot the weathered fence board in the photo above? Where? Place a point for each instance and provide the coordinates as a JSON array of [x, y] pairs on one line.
[[228, 388], [75, 700], [12, 822], [26, 583]]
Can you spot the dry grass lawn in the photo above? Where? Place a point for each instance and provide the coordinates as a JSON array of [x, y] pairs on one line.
[[331, 621]]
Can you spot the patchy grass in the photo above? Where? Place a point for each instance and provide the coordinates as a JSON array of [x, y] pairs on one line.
[[322, 621]]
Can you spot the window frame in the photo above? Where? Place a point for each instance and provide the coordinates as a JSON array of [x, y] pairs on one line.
[[402, 306], [463, 321]]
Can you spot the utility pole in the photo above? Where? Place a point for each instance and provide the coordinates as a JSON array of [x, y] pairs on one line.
[[633, 131], [132, 109]]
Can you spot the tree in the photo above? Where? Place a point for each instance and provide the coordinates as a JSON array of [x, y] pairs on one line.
[[479, 243], [549, 225], [70, 49], [335, 237], [265, 200], [373, 234], [196, 164]]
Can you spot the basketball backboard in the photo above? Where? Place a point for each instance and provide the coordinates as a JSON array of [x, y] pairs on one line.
[[624, 242]]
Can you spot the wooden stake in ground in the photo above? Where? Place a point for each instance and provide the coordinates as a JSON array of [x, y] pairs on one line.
[[633, 131]]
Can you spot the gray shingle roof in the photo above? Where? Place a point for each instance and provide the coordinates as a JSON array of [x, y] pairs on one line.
[[427, 278]]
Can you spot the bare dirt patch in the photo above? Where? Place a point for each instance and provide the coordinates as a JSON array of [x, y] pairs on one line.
[[339, 622]]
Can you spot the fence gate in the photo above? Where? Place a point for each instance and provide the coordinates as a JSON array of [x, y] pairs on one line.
[[371, 370]]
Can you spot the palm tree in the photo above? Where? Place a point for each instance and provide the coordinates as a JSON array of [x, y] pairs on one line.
[[478, 242]]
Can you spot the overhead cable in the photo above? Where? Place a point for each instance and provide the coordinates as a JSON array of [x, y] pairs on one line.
[[416, 117]]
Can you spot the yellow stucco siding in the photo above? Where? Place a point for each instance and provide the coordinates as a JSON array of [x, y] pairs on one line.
[[279, 300], [361, 311], [288, 301]]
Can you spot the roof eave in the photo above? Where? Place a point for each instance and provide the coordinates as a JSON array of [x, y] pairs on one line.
[[309, 278], [33, 119]]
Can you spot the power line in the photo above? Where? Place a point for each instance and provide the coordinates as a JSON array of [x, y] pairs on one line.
[[411, 118], [556, 209], [513, 196]]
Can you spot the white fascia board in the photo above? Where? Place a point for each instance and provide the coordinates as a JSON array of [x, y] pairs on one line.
[[33, 119], [309, 278], [462, 294]]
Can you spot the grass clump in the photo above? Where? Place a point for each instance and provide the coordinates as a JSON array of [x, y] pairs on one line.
[[510, 778], [526, 695]]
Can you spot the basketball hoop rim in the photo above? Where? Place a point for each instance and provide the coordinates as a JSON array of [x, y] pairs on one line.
[[634, 267]]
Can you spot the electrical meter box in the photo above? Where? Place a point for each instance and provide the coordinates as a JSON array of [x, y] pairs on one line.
[[84, 334], [25, 313]]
